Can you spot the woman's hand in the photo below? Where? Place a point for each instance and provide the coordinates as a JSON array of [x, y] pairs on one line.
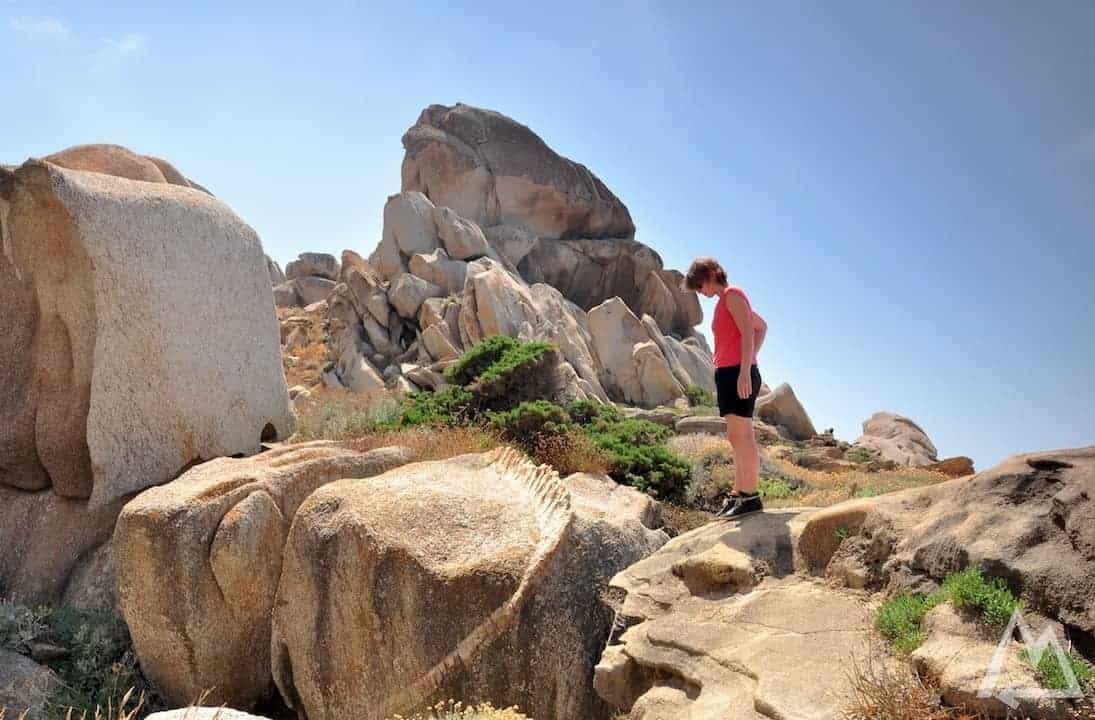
[[745, 382]]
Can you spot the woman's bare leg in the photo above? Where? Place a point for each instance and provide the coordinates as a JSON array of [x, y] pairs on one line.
[[739, 431]]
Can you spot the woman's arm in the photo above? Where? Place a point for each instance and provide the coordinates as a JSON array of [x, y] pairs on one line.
[[743, 318], [761, 329]]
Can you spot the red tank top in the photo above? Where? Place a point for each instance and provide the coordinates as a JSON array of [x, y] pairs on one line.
[[726, 332]]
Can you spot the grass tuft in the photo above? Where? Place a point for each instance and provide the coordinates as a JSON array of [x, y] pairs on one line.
[[993, 602], [901, 620]]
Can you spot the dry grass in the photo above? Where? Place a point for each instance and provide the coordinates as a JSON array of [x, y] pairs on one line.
[[887, 689], [570, 453], [453, 710], [429, 443], [339, 414], [696, 446], [820, 489], [310, 358]]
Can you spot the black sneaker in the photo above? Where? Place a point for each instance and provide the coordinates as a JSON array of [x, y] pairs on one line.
[[741, 505], [727, 505]]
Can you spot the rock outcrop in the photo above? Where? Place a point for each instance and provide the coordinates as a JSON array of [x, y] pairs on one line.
[[134, 342], [121, 162], [415, 303], [548, 217], [1045, 552], [502, 236], [25, 686], [717, 626], [898, 439], [782, 408], [387, 605], [495, 171], [308, 279], [198, 562]]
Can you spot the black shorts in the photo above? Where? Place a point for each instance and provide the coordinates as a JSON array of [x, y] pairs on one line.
[[726, 383]]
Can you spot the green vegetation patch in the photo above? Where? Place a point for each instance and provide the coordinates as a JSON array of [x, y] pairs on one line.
[[775, 487], [1052, 675], [97, 670], [699, 396], [991, 600], [901, 620]]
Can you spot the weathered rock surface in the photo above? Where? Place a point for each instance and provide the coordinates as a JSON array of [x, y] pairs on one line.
[[508, 277], [134, 343], [277, 277], [956, 654], [718, 627], [313, 264], [198, 563], [782, 407], [204, 713], [24, 686], [118, 161], [496, 171], [706, 425], [386, 605], [129, 372], [1046, 552], [898, 439], [634, 368]]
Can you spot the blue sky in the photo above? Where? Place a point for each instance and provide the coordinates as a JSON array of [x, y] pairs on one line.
[[906, 190]]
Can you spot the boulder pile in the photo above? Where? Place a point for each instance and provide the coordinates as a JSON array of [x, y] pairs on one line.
[[494, 233]]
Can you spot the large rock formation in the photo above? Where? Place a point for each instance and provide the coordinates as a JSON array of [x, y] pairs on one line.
[[898, 439], [547, 216], [495, 171], [495, 233], [423, 298], [198, 562], [474, 577], [133, 343]]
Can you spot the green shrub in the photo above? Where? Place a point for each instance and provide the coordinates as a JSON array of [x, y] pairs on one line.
[[476, 359], [631, 431], [860, 454], [100, 666], [699, 396], [20, 625], [650, 468], [1052, 675], [502, 372], [637, 456], [775, 488], [451, 405], [587, 412], [990, 599], [705, 411], [530, 421], [901, 620], [867, 491]]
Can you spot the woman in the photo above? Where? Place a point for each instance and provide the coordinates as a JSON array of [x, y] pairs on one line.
[[739, 332]]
